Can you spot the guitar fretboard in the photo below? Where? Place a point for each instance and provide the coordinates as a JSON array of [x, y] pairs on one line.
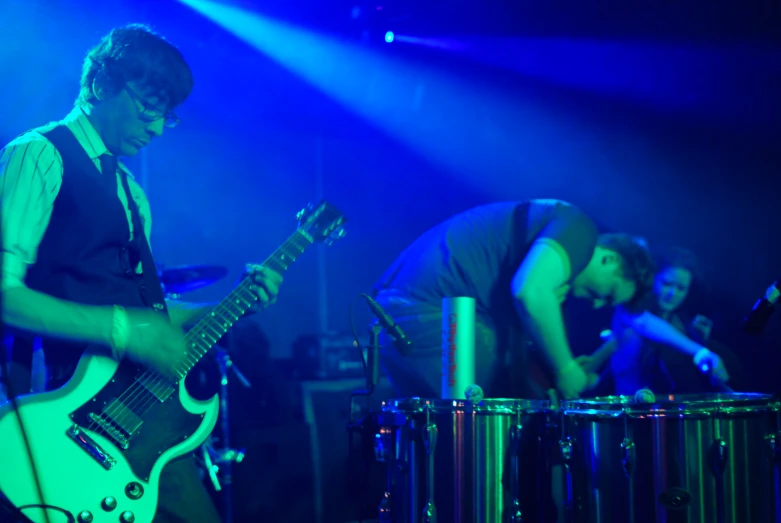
[[209, 330]]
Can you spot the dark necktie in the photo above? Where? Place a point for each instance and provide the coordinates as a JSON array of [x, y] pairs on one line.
[[109, 166], [108, 169]]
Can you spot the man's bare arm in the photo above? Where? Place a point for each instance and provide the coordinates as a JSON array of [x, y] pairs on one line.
[[38, 313], [544, 269]]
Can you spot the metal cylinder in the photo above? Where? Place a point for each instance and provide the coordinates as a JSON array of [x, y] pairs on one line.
[[688, 458], [494, 436], [458, 346]]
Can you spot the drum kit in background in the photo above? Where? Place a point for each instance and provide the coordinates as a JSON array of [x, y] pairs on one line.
[[711, 458]]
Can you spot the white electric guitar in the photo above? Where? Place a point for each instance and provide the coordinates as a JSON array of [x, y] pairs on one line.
[[99, 443]]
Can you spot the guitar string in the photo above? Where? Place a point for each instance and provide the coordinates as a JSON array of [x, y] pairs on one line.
[[122, 409], [150, 385], [201, 345], [160, 384]]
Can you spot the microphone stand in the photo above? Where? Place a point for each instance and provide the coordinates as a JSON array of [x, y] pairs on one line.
[[367, 426], [222, 459], [372, 367], [372, 379]]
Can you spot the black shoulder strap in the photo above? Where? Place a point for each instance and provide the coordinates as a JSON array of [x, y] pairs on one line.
[[150, 282], [515, 335]]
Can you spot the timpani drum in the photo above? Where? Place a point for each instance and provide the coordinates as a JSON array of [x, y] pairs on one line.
[[456, 462], [683, 459]]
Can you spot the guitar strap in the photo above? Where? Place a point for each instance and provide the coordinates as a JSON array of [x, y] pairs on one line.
[[516, 337], [151, 288]]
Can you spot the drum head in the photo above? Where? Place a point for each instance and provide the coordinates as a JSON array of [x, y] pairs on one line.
[[495, 405], [672, 405]]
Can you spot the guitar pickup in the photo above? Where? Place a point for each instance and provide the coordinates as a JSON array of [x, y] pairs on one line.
[[91, 447]]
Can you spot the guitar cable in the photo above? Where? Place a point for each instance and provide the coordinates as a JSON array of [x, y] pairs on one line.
[[5, 377]]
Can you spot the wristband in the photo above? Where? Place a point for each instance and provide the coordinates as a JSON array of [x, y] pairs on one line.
[[701, 355], [120, 332]]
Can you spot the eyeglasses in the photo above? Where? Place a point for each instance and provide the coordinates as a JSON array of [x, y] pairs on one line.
[[151, 113]]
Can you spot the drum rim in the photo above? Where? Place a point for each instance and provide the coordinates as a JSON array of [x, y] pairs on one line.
[[672, 405], [499, 405]]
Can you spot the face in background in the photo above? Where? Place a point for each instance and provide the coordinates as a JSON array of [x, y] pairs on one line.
[[602, 283], [671, 287], [128, 120]]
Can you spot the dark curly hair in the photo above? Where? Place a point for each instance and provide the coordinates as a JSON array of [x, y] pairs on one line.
[[637, 263], [135, 53]]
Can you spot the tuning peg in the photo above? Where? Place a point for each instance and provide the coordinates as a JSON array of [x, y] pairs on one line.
[[336, 235]]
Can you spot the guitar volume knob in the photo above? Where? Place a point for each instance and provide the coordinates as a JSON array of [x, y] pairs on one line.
[[134, 490], [127, 517]]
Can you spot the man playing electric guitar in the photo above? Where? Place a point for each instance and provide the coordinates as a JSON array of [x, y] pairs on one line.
[[77, 268]]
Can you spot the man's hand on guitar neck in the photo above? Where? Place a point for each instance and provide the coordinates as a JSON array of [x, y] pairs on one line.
[[148, 338], [265, 285]]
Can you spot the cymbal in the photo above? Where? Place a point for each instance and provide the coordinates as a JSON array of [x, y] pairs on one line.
[[188, 278]]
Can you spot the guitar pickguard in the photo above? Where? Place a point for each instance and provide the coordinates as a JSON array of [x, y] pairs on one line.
[[168, 421]]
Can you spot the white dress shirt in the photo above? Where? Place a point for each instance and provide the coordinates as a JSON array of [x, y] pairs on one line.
[[31, 175]]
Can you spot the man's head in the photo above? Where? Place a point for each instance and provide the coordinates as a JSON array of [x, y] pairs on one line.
[[130, 83], [621, 271]]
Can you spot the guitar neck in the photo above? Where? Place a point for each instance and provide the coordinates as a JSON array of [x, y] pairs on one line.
[[212, 327]]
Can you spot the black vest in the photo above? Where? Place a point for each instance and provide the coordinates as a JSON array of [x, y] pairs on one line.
[[85, 255]]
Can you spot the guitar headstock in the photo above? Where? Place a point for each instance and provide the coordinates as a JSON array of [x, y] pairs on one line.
[[323, 222]]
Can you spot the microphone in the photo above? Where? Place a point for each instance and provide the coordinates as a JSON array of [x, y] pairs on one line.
[[756, 319], [400, 340]]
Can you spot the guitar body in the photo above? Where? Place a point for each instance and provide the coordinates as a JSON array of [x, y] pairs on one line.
[[72, 475]]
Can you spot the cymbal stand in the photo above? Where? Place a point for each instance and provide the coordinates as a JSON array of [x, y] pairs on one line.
[[222, 459]]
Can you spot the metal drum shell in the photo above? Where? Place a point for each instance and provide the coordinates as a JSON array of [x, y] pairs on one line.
[[680, 459], [473, 458]]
